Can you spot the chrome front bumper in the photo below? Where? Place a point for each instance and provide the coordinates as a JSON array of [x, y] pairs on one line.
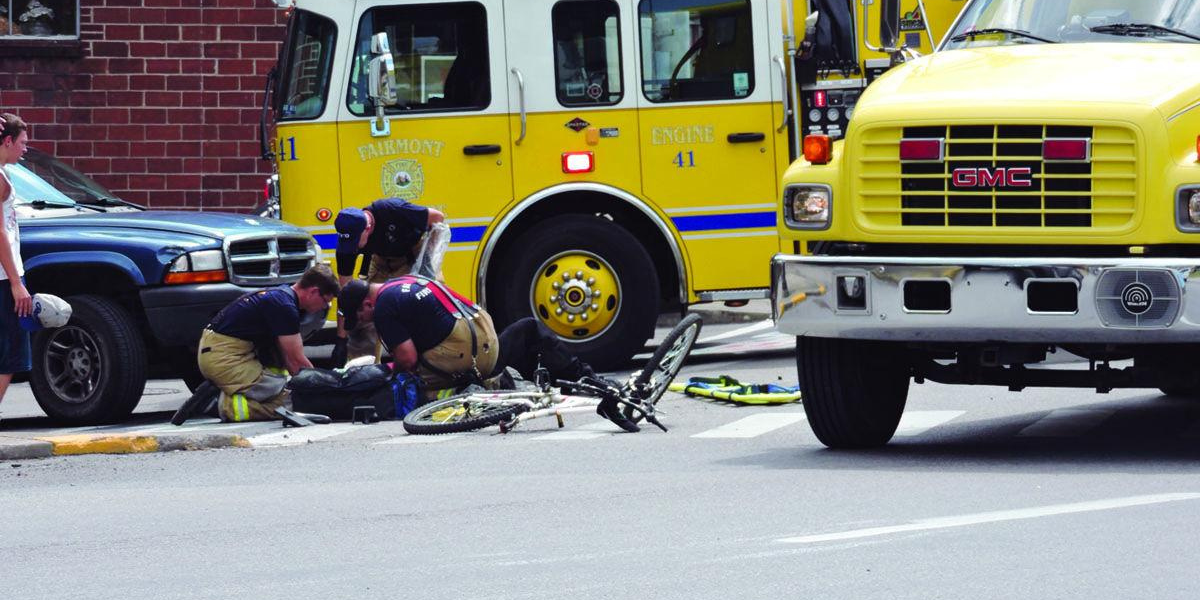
[[1135, 300]]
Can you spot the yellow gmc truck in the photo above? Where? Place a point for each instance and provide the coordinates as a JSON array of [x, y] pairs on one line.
[[1032, 187]]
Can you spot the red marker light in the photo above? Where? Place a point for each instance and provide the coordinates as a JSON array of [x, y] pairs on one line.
[[578, 162], [324, 214], [1066, 149], [820, 100], [927, 150]]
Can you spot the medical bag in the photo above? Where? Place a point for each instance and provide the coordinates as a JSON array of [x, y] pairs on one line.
[[336, 392]]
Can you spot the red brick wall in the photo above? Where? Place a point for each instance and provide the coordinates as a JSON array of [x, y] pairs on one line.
[[160, 102]]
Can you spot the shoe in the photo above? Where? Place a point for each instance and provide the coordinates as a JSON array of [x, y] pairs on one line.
[[200, 402], [315, 418], [609, 409]]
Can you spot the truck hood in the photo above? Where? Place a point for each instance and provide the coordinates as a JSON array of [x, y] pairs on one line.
[[214, 225], [1155, 75]]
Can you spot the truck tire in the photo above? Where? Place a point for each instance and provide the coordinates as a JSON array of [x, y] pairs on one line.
[[854, 391], [605, 308], [93, 370]]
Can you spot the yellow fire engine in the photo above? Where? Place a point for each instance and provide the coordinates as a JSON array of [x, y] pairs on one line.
[[1032, 187], [598, 160]]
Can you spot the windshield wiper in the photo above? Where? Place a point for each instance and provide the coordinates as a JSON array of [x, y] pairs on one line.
[[966, 35], [1141, 30], [42, 205], [112, 201]]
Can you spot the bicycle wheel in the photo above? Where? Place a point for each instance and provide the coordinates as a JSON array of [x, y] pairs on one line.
[[667, 359], [465, 412]]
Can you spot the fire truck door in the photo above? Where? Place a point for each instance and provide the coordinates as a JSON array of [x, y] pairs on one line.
[[445, 141], [571, 81], [711, 110]]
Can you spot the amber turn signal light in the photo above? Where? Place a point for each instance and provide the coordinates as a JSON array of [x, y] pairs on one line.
[[195, 277], [817, 149]]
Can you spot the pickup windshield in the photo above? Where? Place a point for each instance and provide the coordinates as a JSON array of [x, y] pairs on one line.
[[1075, 21]]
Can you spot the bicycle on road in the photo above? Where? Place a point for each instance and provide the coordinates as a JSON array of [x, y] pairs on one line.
[[637, 397]]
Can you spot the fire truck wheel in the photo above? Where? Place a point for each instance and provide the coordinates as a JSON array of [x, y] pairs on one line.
[[854, 391], [587, 279]]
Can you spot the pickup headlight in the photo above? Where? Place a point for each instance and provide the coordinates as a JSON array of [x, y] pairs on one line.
[[808, 206], [202, 266]]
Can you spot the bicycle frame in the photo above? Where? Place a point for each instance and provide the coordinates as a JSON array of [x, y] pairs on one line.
[[538, 404]]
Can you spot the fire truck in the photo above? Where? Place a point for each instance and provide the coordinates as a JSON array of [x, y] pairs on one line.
[[1030, 188], [599, 161]]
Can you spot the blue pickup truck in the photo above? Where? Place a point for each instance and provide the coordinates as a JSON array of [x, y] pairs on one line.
[[142, 284]]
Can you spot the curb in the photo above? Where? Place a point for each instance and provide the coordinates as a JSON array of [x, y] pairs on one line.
[[13, 448]]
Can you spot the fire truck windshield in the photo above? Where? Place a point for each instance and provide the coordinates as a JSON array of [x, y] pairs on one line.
[[307, 56], [1075, 21]]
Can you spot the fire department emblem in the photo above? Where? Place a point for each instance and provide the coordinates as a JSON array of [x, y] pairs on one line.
[[403, 178]]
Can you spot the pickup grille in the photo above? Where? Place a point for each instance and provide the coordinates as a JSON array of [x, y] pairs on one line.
[[268, 260], [1098, 194]]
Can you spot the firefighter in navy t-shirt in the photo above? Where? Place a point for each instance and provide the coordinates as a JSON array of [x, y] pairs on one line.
[[387, 235], [253, 342], [449, 341]]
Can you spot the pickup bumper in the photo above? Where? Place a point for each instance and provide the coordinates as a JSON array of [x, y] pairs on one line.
[[1038, 300], [177, 314]]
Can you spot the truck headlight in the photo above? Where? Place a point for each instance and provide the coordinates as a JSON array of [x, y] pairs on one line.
[[1187, 208], [202, 266], [808, 206]]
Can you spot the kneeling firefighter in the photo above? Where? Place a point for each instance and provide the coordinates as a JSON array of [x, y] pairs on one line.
[[253, 343], [450, 342]]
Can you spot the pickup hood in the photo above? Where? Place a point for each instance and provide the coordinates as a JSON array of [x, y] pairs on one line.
[[1155, 75], [215, 225]]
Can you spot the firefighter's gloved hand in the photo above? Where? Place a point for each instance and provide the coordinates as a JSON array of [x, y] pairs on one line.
[[339, 353]]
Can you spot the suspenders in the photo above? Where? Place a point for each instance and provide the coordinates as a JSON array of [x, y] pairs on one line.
[[464, 312]]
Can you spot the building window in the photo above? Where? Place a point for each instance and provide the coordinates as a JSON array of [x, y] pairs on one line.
[[696, 50], [39, 19], [587, 52], [440, 52]]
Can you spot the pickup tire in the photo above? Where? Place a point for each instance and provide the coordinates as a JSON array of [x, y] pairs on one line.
[[93, 370], [854, 391]]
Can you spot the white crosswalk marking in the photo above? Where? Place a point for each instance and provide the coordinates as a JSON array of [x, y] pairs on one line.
[[752, 426], [415, 439], [590, 431], [1067, 422], [300, 435], [916, 422]]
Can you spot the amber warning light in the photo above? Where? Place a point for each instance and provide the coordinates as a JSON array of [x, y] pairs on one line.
[[578, 162], [817, 149]]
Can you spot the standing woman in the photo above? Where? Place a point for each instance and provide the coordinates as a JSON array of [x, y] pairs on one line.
[[15, 300]]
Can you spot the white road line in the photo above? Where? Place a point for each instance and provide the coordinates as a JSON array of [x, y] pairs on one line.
[[747, 330], [916, 422], [590, 431], [1067, 422], [752, 426], [991, 517], [294, 436], [415, 439]]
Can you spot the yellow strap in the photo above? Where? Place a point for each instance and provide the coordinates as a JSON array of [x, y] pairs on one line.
[[445, 393]]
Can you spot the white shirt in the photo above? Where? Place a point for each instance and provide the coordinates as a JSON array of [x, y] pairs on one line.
[[8, 211]]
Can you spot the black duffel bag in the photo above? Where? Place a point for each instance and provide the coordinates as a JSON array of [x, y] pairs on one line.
[[335, 393]]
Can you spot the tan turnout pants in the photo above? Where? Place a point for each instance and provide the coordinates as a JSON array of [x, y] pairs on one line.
[[453, 355], [250, 391]]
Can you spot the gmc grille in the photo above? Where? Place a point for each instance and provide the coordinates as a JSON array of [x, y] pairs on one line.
[[1099, 193]]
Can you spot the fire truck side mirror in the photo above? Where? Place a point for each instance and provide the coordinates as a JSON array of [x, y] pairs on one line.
[[381, 83], [889, 23]]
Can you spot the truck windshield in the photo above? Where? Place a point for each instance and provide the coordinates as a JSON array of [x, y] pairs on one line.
[[1075, 21], [304, 81]]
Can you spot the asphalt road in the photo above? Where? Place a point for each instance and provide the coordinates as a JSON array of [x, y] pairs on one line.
[[983, 494]]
